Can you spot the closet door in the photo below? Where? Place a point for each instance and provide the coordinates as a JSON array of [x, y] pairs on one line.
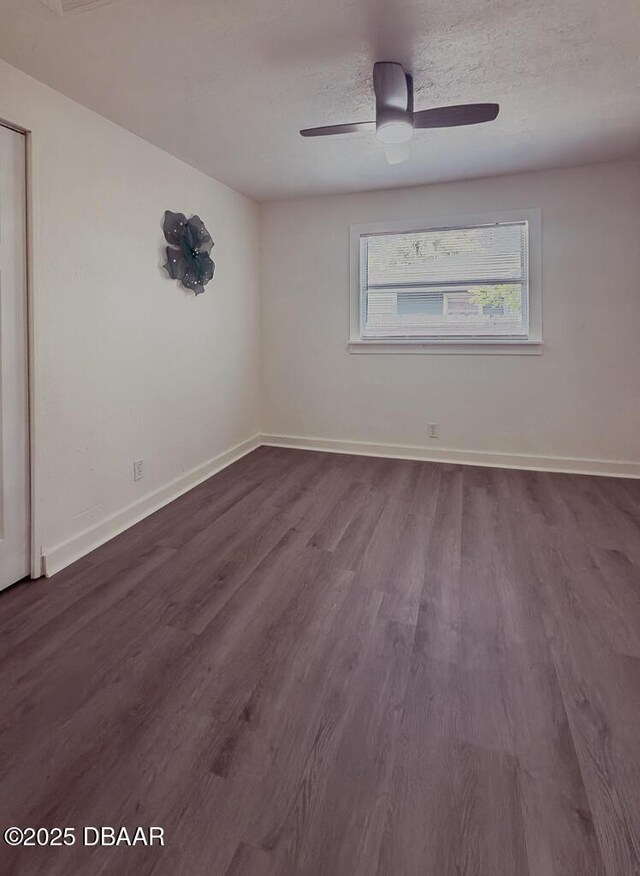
[[14, 407]]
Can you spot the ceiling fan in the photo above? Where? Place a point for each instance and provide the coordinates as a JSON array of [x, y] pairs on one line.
[[395, 119]]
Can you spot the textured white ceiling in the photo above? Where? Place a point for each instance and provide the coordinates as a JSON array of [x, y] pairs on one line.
[[226, 84]]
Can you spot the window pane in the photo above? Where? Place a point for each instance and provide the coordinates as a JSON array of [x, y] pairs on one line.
[[466, 282], [468, 254], [472, 311]]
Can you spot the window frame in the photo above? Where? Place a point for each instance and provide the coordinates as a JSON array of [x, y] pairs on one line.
[[532, 344]]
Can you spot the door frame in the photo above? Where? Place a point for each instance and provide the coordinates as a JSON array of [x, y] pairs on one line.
[[32, 285]]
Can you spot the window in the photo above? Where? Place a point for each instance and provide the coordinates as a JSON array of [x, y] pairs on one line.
[[458, 283]]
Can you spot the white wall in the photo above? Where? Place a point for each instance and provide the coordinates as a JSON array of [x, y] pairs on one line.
[[581, 398], [128, 364]]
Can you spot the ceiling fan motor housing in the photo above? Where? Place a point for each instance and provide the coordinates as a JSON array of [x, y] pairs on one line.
[[394, 98]]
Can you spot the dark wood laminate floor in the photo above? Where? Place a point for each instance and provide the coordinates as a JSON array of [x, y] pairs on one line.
[[320, 664]]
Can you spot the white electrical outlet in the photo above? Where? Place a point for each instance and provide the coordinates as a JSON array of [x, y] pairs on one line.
[[433, 430], [138, 469]]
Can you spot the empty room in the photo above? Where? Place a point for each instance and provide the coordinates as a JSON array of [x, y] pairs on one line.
[[319, 438]]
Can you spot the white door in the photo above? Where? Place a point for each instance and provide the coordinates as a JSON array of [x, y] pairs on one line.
[[14, 431]]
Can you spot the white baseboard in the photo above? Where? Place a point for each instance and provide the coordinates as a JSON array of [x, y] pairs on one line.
[[573, 465], [56, 558], [62, 555]]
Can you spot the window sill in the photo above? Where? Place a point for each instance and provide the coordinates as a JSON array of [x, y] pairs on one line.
[[489, 347]]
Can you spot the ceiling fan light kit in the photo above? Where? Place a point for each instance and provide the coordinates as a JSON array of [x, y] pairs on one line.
[[395, 119], [394, 131], [396, 153]]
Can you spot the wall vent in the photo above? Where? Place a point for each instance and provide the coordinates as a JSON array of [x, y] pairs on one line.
[[63, 7]]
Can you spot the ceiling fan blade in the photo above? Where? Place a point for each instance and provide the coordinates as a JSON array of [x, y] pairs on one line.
[[390, 86], [339, 129], [451, 116]]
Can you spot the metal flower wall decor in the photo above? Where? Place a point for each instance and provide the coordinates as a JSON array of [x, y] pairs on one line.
[[188, 252]]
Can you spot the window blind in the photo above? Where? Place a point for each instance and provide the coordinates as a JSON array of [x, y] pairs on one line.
[[445, 283]]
